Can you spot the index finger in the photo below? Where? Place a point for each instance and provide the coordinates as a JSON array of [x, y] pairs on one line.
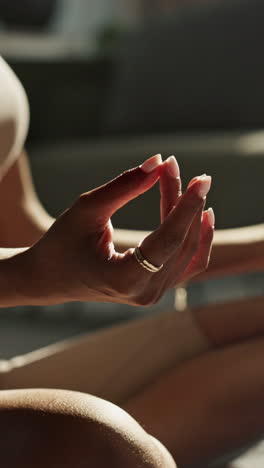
[[158, 247]]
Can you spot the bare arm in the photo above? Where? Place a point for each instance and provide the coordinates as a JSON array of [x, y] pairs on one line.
[[237, 251]]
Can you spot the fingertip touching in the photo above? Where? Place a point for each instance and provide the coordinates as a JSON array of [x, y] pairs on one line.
[[151, 164]]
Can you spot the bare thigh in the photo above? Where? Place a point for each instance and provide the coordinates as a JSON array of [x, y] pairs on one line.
[[112, 364], [192, 402], [208, 406], [231, 322], [153, 367]]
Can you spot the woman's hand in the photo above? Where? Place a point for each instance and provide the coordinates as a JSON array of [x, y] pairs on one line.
[[76, 259]]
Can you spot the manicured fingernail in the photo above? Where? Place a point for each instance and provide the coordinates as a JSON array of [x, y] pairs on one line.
[[203, 185], [152, 163], [195, 180], [211, 217], [173, 167]]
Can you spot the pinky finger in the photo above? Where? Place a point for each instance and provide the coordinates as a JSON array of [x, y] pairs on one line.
[[201, 260]]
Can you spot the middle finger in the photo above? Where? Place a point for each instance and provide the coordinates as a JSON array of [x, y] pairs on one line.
[[170, 187]]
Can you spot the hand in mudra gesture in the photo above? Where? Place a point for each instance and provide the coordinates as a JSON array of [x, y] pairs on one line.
[[76, 259]]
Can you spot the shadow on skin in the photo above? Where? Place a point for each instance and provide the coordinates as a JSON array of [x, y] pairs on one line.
[[57, 428]]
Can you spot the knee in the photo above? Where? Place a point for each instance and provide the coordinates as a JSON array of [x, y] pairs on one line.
[[60, 428], [14, 117]]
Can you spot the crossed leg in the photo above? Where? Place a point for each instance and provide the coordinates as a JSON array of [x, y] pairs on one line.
[[213, 403], [193, 380]]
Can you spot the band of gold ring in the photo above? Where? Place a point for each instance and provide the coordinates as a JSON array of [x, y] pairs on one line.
[[144, 262]]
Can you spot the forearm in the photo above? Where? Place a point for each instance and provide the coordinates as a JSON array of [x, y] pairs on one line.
[[237, 251]]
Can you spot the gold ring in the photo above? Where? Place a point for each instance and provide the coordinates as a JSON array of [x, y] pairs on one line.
[[144, 262]]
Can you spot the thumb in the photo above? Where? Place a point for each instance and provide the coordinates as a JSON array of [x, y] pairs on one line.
[[108, 198]]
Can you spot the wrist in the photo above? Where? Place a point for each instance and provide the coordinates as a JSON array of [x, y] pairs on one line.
[[33, 281]]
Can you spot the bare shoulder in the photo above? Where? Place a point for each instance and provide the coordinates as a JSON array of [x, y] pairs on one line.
[[14, 116]]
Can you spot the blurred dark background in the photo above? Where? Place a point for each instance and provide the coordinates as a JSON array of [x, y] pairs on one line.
[[178, 77], [114, 81]]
